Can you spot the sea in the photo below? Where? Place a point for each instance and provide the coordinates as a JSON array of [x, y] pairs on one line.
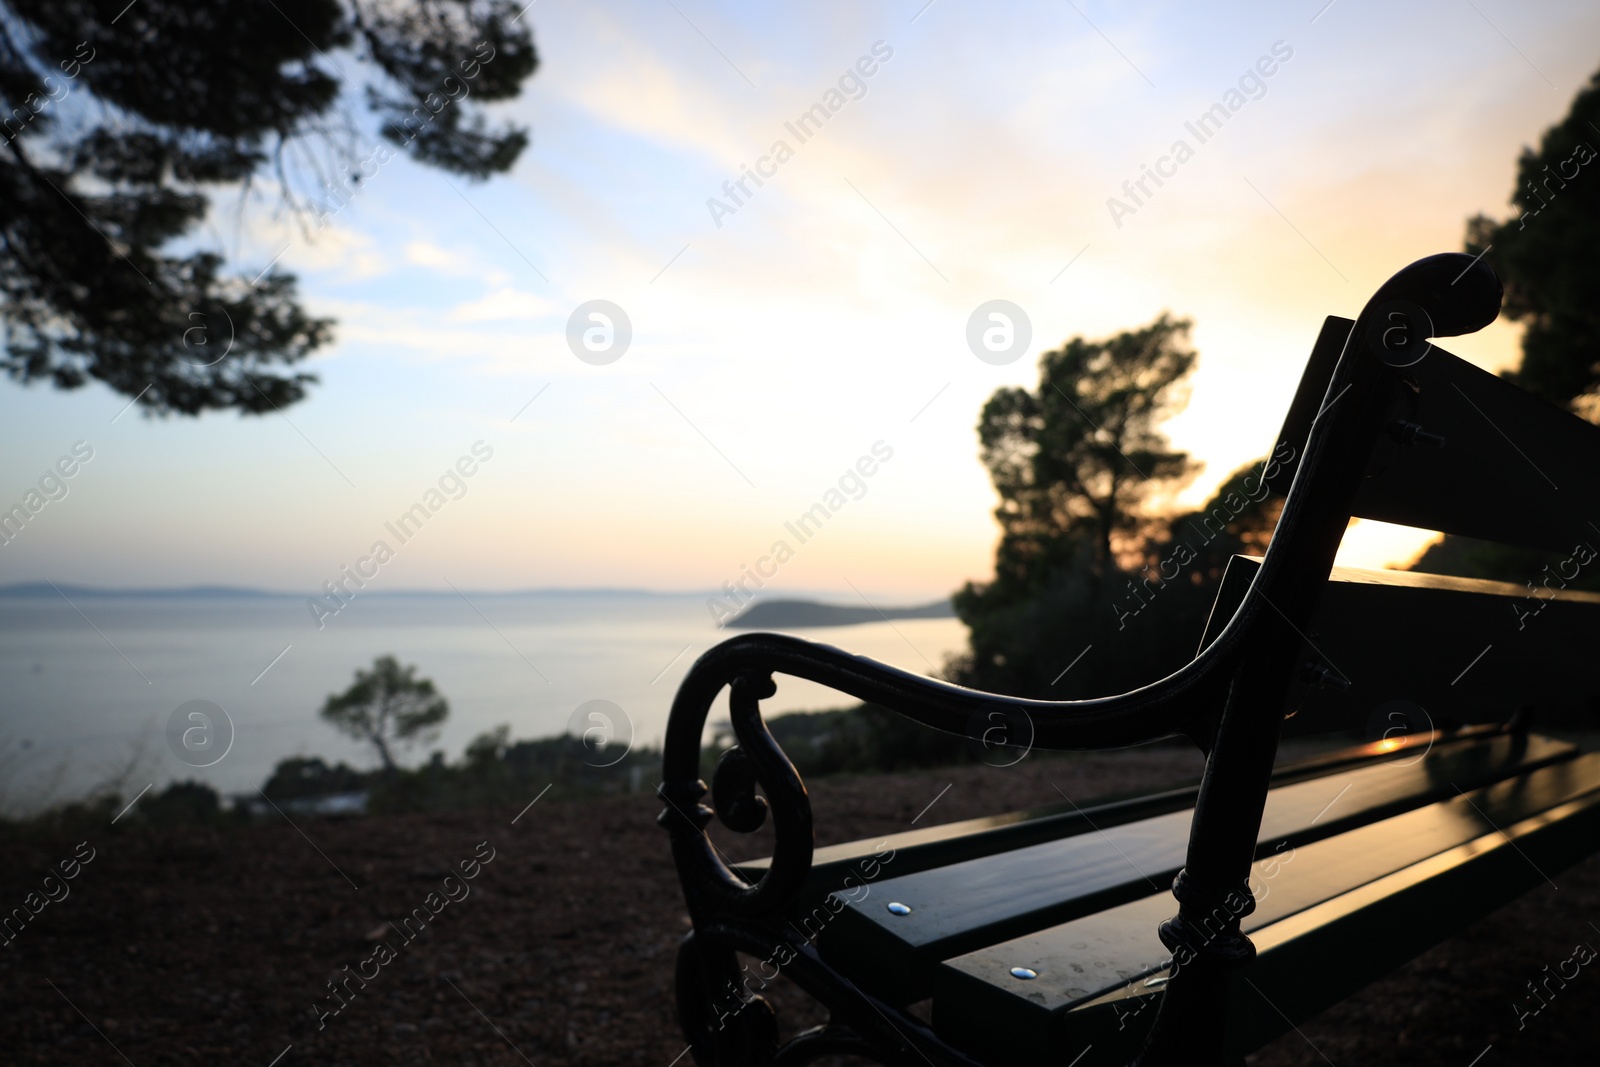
[[101, 690]]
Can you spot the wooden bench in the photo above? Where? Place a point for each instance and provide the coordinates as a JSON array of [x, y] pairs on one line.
[[1050, 936]]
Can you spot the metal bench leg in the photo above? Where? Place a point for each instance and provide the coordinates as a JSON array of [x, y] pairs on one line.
[[725, 1026], [1213, 889]]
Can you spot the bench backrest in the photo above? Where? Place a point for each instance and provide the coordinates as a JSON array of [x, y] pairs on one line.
[[1390, 653], [1467, 453]]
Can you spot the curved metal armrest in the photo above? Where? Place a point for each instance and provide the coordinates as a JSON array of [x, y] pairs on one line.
[[1106, 722]]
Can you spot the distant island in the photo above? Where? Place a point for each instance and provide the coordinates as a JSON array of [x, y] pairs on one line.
[[802, 614]]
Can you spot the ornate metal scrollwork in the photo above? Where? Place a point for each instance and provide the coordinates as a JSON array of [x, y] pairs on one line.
[[733, 792], [756, 760], [715, 1014]]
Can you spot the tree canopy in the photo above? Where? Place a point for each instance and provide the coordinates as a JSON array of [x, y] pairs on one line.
[[121, 121], [1073, 459], [386, 704], [1093, 591], [1545, 256], [1545, 259]]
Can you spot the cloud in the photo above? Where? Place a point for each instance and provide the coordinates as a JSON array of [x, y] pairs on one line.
[[368, 326], [454, 263], [504, 303]]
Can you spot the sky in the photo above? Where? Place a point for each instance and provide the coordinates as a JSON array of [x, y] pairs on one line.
[[820, 317]]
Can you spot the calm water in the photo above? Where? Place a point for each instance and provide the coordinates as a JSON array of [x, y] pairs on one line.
[[77, 705]]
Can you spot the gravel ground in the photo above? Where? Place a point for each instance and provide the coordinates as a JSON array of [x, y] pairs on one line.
[[215, 946]]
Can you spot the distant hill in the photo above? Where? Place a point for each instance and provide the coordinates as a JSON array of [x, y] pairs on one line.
[[803, 614], [193, 592]]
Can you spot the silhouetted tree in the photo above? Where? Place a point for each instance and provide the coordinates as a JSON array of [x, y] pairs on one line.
[[1074, 462], [187, 803], [1239, 519], [118, 118], [386, 704], [1074, 459], [1545, 255], [300, 776]]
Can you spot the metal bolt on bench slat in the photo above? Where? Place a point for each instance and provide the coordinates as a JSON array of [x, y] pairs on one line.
[[1411, 433], [897, 908], [1322, 677], [1024, 973]]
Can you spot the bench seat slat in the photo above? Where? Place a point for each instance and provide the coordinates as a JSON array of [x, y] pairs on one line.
[[945, 843], [1098, 960], [962, 906]]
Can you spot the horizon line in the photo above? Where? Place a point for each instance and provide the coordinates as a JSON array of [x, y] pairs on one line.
[[45, 587]]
